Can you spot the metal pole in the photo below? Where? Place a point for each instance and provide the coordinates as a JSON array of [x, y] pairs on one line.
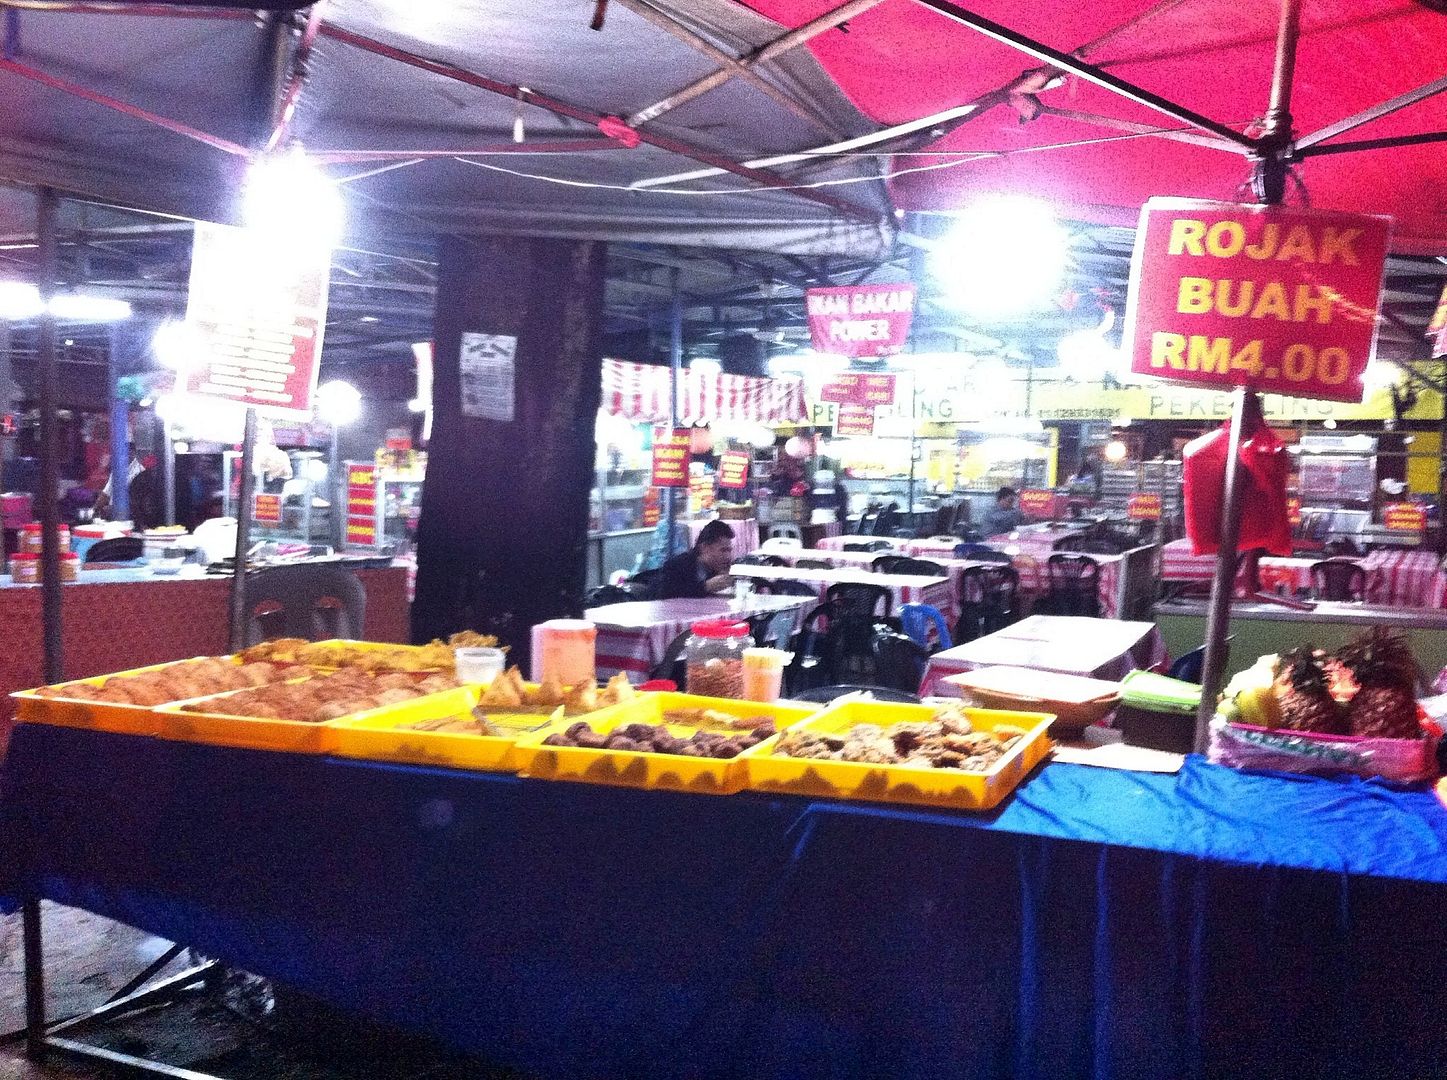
[[243, 533], [46, 203], [335, 489], [1218, 614], [168, 472], [34, 979], [120, 508], [1278, 113], [675, 376]]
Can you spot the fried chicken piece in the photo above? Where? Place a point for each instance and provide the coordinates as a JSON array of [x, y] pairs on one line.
[[259, 673], [435, 684], [582, 698]]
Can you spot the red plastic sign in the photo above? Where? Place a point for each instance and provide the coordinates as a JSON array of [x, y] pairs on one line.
[[859, 388], [733, 469], [1410, 517], [854, 420], [670, 459], [362, 505], [1037, 503], [1293, 510], [860, 320], [258, 313], [1144, 508], [1275, 298], [266, 509]]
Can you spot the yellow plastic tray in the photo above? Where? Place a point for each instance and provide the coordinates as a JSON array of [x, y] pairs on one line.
[[245, 732], [124, 719], [382, 734], [765, 771], [638, 769]]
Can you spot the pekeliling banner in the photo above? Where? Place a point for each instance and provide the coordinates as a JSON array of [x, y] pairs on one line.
[[1276, 298]]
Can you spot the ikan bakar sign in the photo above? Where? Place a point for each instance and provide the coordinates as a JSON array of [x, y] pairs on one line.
[[860, 320], [1276, 298]]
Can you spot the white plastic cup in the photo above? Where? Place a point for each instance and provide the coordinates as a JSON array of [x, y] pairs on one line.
[[478, 665], [764, 673]]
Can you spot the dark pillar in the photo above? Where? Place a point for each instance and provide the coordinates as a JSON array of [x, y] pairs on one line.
[[502, 541]]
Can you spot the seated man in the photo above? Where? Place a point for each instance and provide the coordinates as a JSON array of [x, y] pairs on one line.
[[702, 571], [1004, 515]]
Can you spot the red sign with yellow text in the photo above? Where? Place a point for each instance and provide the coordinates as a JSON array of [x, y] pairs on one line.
[[854, 420], [859, 388], [1038, 503], [362, 504], [1144, 508], [1276, 298], [266, 509], [1411, 517], [1293, 510], [733, 469], [860, 320], [670, 458]]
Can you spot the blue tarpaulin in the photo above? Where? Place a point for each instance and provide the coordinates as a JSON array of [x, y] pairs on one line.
[[1101, 924]]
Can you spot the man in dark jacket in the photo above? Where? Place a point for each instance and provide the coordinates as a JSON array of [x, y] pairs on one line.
[[702, 571]]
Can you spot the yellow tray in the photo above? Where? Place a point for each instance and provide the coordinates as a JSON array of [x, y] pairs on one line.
[[245, 732], [765, 771], [118, 717], [639, 769], [382, 735]]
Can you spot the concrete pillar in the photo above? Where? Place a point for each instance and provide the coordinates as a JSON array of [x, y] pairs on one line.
[[502, 540]]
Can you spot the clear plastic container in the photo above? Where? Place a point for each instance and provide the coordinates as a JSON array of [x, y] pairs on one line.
[[714, 658]]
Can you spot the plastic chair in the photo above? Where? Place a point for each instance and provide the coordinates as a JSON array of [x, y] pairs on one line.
[[919, 619], [785, 531], [116, 549], [784, 587], [779, 631], [823, 695], [882, 564], [758, 558], [813, 564], [987, 600], [604, 595], [784, 541], [865, 545], [644, 584], [980, 553], [672, 665], [860, 598], [903, 564], [315, 602], [1074, 585], [1189, 667], [1338, 579], [899, 662]]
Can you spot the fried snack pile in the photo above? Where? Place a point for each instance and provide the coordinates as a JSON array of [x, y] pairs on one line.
[[325, 697], [473, 723], [174, 682], [508, 693], [947, 741], [657, 739], [714, 719], [435, 656]]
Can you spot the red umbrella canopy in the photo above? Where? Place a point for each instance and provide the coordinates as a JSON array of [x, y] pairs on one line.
[[901, 60]]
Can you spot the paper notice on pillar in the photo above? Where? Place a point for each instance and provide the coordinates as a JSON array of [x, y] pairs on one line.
[[489, 367], [256, 313]]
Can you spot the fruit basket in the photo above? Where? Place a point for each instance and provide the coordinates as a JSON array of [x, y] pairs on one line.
[[644, 769], [766, 770]]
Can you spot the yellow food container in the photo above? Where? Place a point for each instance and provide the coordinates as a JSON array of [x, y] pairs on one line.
[[117, 717], [639, 769], [385, 734], [216, 728], [763, 770]]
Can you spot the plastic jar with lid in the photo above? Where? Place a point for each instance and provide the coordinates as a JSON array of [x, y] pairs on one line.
[[25, 568], [714, 658], [69, 566], [31, 542]]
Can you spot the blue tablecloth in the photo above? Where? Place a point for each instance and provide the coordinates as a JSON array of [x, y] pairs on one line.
[[1101, 924]]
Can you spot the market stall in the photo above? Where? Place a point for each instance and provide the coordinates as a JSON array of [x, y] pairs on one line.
[[633, 637]]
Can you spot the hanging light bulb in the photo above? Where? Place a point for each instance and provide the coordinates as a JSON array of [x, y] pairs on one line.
[[518, 134]]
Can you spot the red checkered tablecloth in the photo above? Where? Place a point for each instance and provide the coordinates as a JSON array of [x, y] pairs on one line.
[[1102, 648], [633, 637], [1276, 573], [1405, 579], [939, 592]]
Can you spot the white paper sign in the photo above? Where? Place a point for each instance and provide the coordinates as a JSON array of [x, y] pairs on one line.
[[488, 364]]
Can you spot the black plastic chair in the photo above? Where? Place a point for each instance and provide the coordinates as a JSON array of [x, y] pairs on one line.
[[1338, 580], [980, 553], [823, 695], [1074, 586], [903, 564], [759, 559], [1190, 667], [783, 587], [860, 598], [882, 564], [887, 521], [813, 564], [988, 601], [603, 595], [116, 549], [865, 545], [644, 584], [309, 601], [672, 665], [899, 662]]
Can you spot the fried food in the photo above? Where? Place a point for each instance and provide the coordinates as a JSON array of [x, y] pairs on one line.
[[436, 656], [659, 739], [180, 681], [324, 697], [509, 693], [946, 741]]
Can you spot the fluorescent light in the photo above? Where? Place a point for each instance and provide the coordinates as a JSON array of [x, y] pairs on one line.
[[705, 364], [177, 344], [287, 195], [1005, 256], [20, 301], [338, 403]]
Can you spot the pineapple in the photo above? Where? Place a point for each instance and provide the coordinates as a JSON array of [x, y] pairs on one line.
[[1303, 694], [1385, 706]]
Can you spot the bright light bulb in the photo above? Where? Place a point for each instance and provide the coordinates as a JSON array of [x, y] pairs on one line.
[[1116, 451], [78, 308], [19, 301], [288, 196], [1380, 374], [1006, 255], [177, 344], [706, 364], [338, 403], [417, 405]]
